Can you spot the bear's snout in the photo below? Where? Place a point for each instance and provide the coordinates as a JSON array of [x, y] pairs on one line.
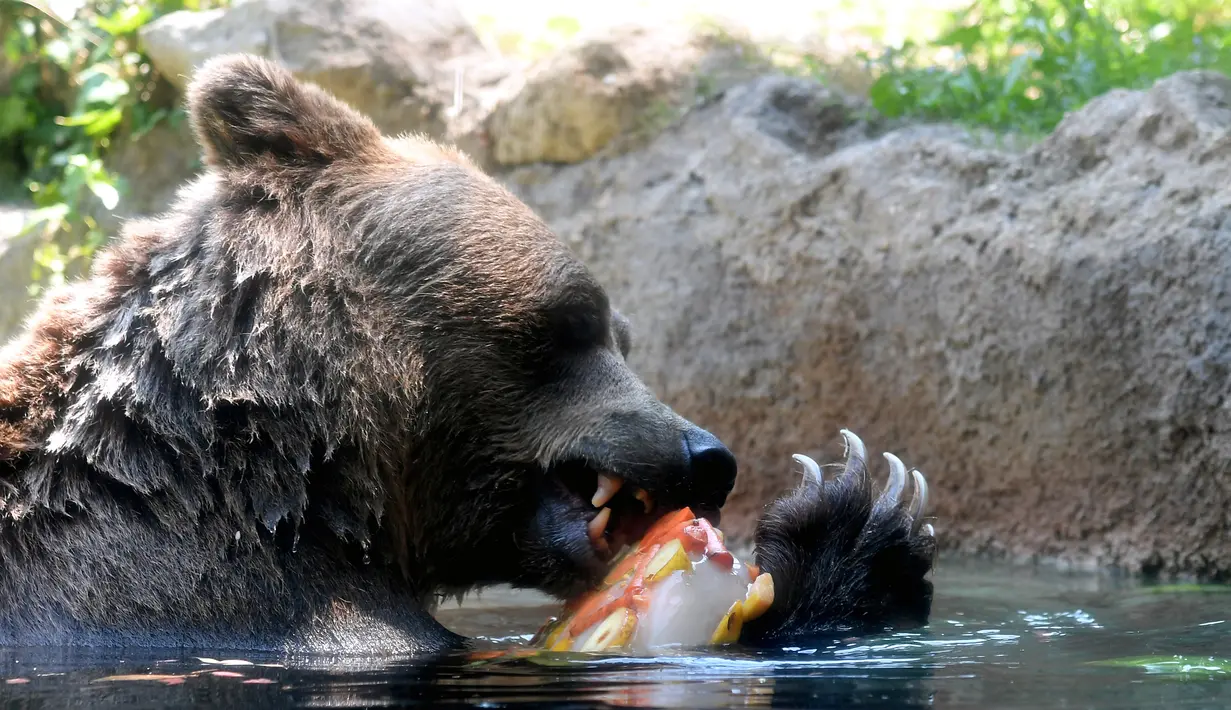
[[711, 465]]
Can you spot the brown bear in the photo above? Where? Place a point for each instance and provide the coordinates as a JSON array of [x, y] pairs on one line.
[[346, 374]]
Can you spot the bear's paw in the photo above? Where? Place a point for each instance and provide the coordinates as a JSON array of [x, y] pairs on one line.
[[844, 556]]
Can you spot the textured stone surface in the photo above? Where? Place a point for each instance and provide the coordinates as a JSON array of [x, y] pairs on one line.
[[154, 166], [1047, 334], [395, 61], [401, 63], [16, 259], [627, 80]]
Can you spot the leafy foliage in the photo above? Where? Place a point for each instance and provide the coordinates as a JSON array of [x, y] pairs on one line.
[[1023, 64], [71, 80]]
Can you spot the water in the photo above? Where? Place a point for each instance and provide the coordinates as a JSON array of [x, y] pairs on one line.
[[1000, 637]]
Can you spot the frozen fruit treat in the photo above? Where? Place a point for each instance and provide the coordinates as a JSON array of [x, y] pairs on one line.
[[678, 585]]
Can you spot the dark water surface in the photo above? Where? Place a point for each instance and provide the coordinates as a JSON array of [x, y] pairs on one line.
[[1000, 637]]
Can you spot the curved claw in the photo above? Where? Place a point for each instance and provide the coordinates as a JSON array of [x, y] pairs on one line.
[[812, 470], [855, 451], [897, 480], [920, 504]]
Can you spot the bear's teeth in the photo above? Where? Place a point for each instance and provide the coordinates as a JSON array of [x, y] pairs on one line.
[[599, 524], [644, 496], [607, 487]]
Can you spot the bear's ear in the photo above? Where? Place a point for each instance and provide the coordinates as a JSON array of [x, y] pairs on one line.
[[243, 107]]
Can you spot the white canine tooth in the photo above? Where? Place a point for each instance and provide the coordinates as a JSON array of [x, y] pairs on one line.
[[929, 530], [599, 524], [608, 486]]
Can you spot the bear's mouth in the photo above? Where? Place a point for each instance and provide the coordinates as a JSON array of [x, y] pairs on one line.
[[617, 512]]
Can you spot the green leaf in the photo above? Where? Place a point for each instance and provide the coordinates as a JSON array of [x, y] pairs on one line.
[[1016, 69], [15, 116], [125, 21], [964, 37], [99, 85], [105, 122], [888, 95], [98, 122], [144, 119], [80, 119]]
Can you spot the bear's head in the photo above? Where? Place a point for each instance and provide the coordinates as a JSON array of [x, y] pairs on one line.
[[465, 373]]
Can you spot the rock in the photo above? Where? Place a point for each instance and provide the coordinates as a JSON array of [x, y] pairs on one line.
[[394, 61], [154, 166], [16, 264], [178, 42], [402, 64], [578, 100], [1045, 333]]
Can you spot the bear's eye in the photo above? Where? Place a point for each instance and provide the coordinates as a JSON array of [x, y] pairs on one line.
[[578, 329]]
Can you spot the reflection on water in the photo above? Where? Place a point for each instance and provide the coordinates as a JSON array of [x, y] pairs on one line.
[[999, 638]]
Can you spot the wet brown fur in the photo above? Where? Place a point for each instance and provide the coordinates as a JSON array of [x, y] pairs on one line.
[[334, 373], [330, 384]]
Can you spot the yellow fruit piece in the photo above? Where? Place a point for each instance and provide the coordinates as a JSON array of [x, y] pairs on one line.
[[614, 631], [731, 625], [557, 638], [669, 558], [622, 566], [760, 596]]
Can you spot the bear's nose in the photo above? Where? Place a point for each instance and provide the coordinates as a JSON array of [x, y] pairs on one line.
[[711, 465]]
